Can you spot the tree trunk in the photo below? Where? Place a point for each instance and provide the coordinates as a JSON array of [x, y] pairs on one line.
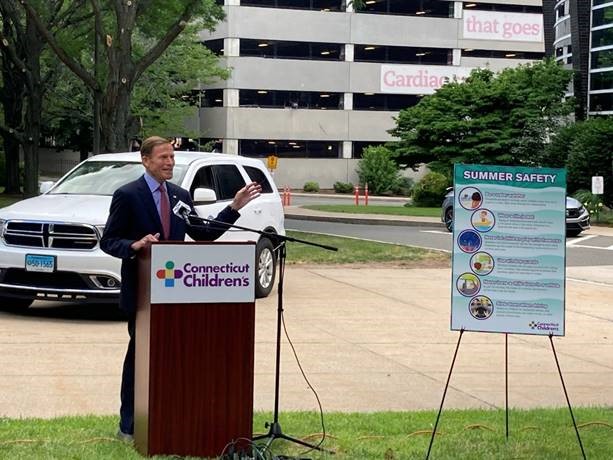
[[11, 165], [33, 111], [115, 119], [12, 102]]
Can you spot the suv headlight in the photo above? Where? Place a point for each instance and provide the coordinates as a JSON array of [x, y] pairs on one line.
[[2, 227]]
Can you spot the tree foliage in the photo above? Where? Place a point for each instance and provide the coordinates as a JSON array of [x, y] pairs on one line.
[[132, 36], [26, 74], [503, 118], [378, 169], [591, 154], [168, 92]]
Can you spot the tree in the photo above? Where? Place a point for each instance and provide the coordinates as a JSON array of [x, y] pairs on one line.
[[168, 92], [117, 25], [591, 154], [503, 118], [21, 95], [378, 169]]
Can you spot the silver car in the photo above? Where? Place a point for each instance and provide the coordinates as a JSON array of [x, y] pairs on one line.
[[577, 217]]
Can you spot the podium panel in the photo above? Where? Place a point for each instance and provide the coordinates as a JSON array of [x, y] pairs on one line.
[[194, 360]]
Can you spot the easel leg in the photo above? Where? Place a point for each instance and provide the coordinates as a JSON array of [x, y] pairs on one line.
[[440, 409], [566, 394], [506, 382]]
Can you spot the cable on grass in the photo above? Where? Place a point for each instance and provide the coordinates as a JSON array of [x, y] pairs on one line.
[[21, 441], [420, 432], [596, 423], [478, 426]]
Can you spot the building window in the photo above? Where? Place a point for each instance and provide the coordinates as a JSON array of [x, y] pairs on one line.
[[211, 98], [262, 148], [290, 99], [497, 54], [215, 46], [601, 80], [426, 8], [602, 16], [602, 59], [391, 102], [292, 50], [403, 55], [358, 147], [506, 8], [601, 102], [562, 10], [602, 37], [319, 5]]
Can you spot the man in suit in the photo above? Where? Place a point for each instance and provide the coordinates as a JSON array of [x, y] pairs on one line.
[[140, 214]]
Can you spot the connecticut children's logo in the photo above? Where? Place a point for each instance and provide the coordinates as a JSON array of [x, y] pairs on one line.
[[169, 274]]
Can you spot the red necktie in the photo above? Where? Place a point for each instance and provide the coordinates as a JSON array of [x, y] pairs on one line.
[[164, 211]]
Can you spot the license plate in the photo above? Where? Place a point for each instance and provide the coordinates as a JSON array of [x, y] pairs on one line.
[[36, 263]]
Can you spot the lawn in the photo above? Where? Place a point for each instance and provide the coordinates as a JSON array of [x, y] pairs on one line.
[[357, 251], [472, 434], [378, 209]]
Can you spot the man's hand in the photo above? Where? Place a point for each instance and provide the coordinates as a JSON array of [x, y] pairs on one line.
[[145, 241], [245, 195]]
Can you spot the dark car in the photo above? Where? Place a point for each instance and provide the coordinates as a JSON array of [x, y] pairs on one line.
[[577, 217]]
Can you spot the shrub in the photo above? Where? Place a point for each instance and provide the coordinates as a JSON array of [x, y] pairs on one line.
[[311, 186], [378, 169], [343, 187], [593, 203], [430, 190], [404, 187]]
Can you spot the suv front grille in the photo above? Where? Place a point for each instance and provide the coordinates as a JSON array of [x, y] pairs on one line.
[[50, 235], [56, 280]]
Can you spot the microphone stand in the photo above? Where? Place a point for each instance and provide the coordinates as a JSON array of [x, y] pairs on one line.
[[274, 428]]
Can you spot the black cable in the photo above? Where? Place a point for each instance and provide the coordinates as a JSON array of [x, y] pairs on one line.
[[321, 411]]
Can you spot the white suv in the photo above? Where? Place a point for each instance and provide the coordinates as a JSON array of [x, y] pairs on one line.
[[49, 245]]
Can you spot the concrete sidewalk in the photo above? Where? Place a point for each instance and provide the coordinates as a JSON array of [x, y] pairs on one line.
[[368, 339]]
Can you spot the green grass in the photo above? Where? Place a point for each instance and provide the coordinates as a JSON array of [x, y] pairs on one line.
[[378, 209], [6, 200], [356, 251], [475, 434]]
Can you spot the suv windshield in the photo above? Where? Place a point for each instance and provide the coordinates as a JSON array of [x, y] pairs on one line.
[[104, 177]]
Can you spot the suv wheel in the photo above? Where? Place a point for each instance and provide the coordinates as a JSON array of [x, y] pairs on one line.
[[266, 265], [14, 303], [449, 219]]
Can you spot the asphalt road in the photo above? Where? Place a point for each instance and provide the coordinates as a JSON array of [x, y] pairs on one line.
[[585, 250]]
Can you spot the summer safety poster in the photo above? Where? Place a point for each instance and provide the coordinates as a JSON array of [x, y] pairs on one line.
[[509, 250]]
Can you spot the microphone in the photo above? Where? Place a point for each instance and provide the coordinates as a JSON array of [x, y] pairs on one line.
[[182, 210]]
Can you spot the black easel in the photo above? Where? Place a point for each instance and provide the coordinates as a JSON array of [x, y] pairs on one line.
[[274, 427], [506, 370]]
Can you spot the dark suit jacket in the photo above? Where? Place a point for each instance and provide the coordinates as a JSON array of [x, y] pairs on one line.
[[133, 215]]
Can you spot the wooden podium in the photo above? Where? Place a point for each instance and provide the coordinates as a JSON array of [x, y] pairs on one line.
[[195, 327]]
